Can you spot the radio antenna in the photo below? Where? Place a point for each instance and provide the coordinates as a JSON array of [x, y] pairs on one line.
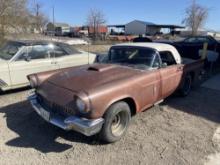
[[53, 19], [88, 54], [88, 42]]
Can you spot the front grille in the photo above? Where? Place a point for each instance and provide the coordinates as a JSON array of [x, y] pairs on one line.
[[2, 83], [55, 108]]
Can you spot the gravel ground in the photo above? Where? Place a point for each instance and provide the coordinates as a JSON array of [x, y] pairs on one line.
[[179, 132]]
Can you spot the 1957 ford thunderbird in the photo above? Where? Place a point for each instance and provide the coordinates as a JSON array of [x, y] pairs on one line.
[[101, 98]]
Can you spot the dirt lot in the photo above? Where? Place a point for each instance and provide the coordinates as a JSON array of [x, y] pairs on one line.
[[179, 132]]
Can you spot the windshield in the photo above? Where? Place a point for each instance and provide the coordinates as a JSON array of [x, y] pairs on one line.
[[137, 57], [9, 49]]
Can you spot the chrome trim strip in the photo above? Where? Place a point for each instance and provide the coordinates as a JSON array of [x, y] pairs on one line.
[[85, 126], [2, 83]]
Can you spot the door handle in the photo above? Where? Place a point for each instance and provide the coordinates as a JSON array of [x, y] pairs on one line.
[[53, 62], [180, 68]]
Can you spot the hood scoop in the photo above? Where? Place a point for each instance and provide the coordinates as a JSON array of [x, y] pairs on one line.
[[101, 67]]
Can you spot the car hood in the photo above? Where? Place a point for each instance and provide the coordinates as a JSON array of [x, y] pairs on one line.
[[89, 77]]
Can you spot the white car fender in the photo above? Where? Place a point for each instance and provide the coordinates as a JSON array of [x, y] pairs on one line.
[[5, 80], [91, 56]]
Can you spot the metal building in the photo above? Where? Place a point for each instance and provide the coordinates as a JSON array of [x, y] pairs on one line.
[[137, 27]]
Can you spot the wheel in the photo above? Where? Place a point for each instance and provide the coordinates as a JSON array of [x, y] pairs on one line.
[[117, 119], [187, 85]]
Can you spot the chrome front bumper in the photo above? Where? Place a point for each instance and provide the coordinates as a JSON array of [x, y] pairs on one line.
[[81, 125]]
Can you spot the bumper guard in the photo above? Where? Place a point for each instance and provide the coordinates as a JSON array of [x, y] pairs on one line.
[[81, 125]]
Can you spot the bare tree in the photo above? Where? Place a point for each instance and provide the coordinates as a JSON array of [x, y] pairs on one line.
[[13, 16], [196, 17], [39, 18], [95, 19], [16, 17]]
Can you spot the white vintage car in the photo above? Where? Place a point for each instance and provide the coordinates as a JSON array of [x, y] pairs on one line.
[[21, 58]]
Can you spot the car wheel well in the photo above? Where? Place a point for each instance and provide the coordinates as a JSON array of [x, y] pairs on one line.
[[131, 104]]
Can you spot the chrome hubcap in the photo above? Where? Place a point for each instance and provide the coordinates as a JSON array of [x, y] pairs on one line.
[[119, 123], [116, 122]]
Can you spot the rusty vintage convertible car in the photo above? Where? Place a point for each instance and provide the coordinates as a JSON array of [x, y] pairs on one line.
[[101, 98]]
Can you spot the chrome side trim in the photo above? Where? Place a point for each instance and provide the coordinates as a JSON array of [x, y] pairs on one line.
[[85, 126], [2, 83]]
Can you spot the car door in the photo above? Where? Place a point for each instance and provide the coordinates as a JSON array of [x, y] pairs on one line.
[[33, 59], [171, 74], [149, 84], [65, 58]]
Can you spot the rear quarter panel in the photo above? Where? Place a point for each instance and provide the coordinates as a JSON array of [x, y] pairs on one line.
[[194, 69]]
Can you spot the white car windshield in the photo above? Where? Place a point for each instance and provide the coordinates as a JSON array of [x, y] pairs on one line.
[[9, 49]]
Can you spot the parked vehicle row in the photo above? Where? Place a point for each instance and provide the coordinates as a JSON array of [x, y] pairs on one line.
[[102, 97], [21, 58]]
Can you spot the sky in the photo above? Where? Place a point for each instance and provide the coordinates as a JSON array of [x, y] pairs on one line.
[[74, 12]]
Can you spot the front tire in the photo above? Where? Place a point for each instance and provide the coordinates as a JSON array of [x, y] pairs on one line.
[[117, 119]]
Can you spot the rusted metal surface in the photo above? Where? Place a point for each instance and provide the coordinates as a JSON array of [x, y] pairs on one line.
[[101, 85]]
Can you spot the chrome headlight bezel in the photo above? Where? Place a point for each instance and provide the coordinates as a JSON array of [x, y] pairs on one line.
[[81, 105], [33, 81]]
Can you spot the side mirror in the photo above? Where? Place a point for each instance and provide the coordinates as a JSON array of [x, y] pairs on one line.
[[27, 58], [12, 51], [156, 65], [164, 65]]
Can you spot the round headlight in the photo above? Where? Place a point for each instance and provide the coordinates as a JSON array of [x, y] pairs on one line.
[[81, 106]]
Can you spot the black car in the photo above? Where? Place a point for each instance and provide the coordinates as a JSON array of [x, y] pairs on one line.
[[190, 46], [142, 39]]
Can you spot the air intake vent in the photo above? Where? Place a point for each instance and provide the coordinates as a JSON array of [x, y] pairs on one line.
[[93, 69], [101, 67]]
